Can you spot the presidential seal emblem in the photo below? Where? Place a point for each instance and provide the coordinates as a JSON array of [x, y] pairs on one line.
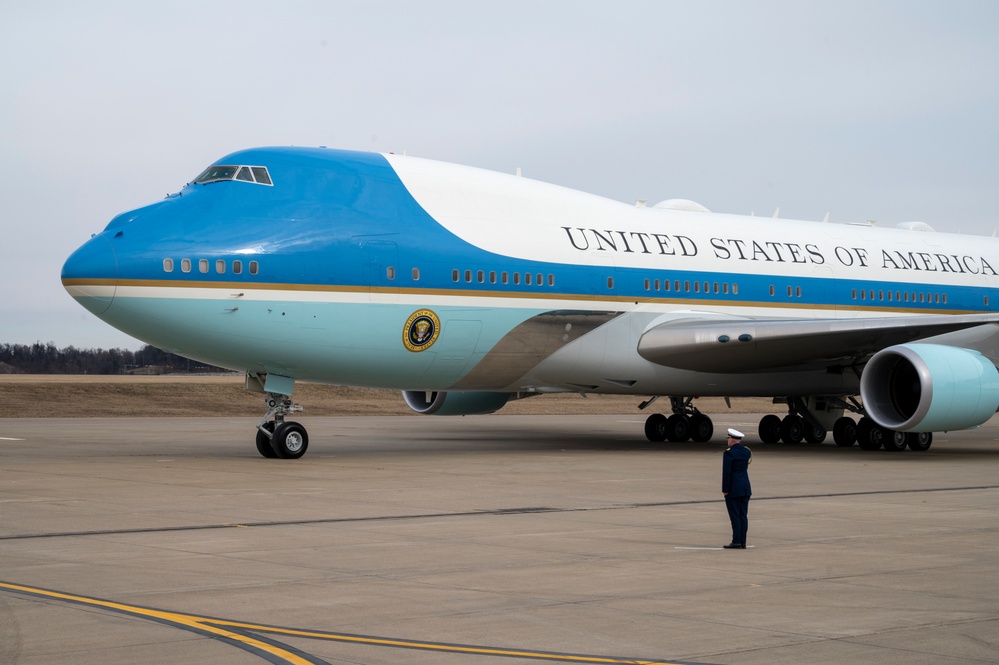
[[421, 330]]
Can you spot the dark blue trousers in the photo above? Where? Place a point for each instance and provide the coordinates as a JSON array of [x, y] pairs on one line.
[[738, 513]]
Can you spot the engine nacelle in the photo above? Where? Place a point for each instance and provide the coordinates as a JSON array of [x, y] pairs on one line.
[[454, 404], [929, 388]]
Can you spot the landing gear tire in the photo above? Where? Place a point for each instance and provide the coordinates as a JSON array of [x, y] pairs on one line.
[[655, 428], [290, 440], [896, 442], [792, 429], [845, 432], [870, 436], [769, 429], [701, 428], [677, 428], [814, 434], [264, 441], [919, 441]]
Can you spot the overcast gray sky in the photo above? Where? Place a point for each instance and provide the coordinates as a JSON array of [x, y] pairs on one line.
[[885, 110]]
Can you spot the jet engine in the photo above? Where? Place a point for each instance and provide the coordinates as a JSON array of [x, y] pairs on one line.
[[454, 404], [929, 388]]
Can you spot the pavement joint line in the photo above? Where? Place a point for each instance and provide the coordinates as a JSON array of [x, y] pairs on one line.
[[497, 512]]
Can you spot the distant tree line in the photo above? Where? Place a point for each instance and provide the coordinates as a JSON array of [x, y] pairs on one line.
[[41, 358]]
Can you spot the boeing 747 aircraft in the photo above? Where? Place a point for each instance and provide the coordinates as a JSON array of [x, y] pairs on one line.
[[466, 289]]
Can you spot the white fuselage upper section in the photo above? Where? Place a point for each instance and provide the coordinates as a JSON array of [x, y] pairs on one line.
[[528, 219]]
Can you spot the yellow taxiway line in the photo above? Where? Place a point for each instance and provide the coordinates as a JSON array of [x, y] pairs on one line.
[[220, 629]]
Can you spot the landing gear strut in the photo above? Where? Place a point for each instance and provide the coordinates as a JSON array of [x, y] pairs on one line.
[[277, 438], [685, 423]]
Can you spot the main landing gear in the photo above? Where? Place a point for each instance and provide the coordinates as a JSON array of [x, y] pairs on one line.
[[277, 438], [798, 425], [871, 436], [685, 423], [806, 421]]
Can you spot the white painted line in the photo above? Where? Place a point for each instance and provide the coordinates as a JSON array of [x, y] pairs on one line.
[[7, 438]]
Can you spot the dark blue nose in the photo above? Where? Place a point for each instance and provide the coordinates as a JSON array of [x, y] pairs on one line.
[[90, 274]]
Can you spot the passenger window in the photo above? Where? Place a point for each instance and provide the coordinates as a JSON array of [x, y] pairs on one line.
[[390, 272], [504, 277], [167, 265], [527, 278], [551, 280], [610, 282], [254, 268], [203, 265], [480, 277], [237, 267], [220, 266], [516, 278], [185, 265], [454, 275], [416, 274]]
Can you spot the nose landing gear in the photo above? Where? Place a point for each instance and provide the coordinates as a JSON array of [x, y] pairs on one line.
[[277, 438]]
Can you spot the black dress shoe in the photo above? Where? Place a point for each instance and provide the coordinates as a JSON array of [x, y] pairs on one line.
[[734, 546]]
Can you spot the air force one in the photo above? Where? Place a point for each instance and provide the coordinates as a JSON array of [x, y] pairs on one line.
[[466, 289]]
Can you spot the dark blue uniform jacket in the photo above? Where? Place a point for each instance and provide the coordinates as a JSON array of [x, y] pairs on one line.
[[735, 471]]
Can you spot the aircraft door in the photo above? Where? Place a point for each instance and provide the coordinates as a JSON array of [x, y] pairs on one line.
[[381, 269]]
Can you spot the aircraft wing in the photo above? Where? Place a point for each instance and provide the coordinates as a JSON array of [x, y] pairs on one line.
[[744, 345]]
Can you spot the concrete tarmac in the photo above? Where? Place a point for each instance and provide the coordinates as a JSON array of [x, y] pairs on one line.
[[493, 539]]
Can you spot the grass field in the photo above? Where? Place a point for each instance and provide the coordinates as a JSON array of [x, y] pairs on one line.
[[77, 396]]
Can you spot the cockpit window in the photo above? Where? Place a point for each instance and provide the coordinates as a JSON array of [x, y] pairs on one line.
[[218, 173], [261, 175]]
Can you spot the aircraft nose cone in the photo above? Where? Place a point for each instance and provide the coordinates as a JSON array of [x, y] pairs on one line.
[[90, 274]]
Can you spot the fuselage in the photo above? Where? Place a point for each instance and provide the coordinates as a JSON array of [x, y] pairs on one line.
[[398, 272]]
